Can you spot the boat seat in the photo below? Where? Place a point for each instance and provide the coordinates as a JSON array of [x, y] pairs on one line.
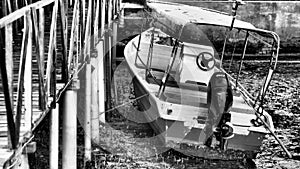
[[188, 70], [156, 78]]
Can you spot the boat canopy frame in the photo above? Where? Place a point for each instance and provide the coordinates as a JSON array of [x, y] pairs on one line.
[[179, 19]]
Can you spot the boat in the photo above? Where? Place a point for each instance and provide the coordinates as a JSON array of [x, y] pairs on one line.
[[184, 89]]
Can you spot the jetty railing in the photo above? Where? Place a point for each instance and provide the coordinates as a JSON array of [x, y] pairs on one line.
[[69, 51]]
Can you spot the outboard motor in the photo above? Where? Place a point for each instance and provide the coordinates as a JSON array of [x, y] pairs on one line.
[[219, 102]]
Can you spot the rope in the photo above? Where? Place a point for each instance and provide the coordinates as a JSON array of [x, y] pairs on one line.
[[61, 91], [19, 152], [122, 105]]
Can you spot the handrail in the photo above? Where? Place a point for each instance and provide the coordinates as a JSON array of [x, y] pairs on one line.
[[21, 12], [33, 35]]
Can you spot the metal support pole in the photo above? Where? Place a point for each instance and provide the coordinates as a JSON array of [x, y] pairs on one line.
[[69, 153], [54, 138], [87, 115], [101, 81], [95, 112]]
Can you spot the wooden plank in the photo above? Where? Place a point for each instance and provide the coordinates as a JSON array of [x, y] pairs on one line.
[[40, 62], [19, 13]]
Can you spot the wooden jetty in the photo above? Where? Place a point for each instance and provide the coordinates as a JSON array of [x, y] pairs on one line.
[[46, 45]]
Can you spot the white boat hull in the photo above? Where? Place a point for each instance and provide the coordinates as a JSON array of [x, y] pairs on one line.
[[183, 121]]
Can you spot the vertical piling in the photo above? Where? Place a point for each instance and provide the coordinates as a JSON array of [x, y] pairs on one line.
[[69, 144], [101, 81], [88, 86], [87, 119], [95, 112], [108, 63], [54, 137], [114, 41]]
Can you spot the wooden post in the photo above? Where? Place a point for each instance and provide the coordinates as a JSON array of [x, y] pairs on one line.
[[9, 49], [8, 103], [21, 77], [41, 32], [108, 63], [109, 14], [54, 137], [42, 103], [42, 35], [64, 34], [96, 21], [121, 19], [114, 41], [9, 58], [28, 78], [101, 81], [4, 7], [51, 47], [114, 9], [73, 32], [83, 12], [9, 63], [103, 14]]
